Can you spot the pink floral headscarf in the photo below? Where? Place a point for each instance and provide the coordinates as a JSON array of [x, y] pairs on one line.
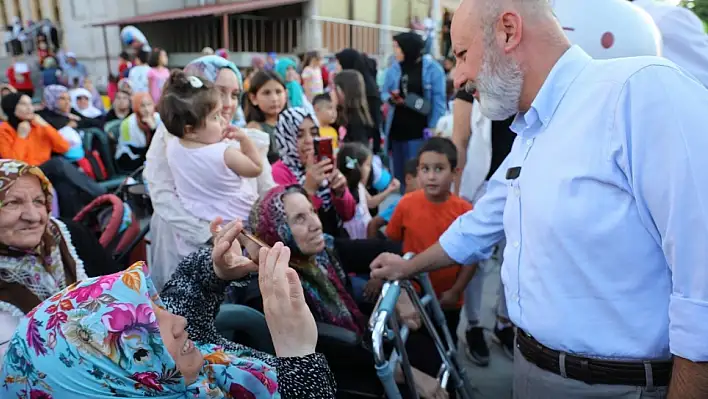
[[99, 338]]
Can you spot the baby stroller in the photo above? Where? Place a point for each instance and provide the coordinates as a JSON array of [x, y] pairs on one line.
[[384, 327]]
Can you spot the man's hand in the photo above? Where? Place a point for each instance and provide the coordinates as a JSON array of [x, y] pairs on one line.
[[388, 266]]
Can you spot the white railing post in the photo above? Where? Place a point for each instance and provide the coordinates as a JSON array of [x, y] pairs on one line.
[[385, 45]]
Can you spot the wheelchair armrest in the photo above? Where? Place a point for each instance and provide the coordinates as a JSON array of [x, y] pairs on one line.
[[248, 323], [333, 335]]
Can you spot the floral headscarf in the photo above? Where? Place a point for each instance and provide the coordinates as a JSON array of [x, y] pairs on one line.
[[51, 97], [100, 339], [285, 135], [42, 270], [323, 278]]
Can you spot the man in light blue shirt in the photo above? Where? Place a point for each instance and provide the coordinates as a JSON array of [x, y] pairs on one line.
[[604, 204]]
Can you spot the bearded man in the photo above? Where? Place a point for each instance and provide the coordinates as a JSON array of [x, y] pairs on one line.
[[602, 204]]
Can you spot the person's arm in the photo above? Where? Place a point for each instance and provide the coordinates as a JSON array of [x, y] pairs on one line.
[[439, 94], [8, 148], [461, 130], [58, 143], [356, 255], [374, 226], [163, 196], [307, 83], [244, 162], [389, 84], [345, 205], [373, 201], [394, 229], [472, 236], [662, 145], [195, 293]]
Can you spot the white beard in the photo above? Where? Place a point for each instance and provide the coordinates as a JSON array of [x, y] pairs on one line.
[[499, 85]]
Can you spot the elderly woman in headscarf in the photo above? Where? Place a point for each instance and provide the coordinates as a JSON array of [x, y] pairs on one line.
[[295, 133], [82, 102], [58, 112], [136, 133], [169, 216], [39, 255], [112, 337], [323, 263]]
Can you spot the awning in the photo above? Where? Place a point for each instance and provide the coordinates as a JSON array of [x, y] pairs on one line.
[[201, 11]]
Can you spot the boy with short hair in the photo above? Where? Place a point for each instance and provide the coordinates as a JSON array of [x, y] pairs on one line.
[[384, 217], [326, 113], [422, 216]]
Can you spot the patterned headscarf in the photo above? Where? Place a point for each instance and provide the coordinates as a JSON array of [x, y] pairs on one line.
[[100, 338], [51, 97], [45, 269], [286, 132], [295, 90], [322, 276], [208, 67]]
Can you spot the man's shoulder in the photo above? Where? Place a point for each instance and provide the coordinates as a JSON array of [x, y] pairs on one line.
[[621, 70]]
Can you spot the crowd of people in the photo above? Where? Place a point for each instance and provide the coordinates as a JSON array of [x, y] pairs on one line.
[[294, 187]]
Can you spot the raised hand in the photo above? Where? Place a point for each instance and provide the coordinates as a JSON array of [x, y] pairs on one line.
[[229, 262], [291, 324]]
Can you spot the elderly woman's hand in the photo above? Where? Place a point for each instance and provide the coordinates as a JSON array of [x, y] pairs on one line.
[[291, 324], [229, 262]]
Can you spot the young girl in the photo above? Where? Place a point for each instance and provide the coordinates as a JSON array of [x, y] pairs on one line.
[[312, 80], [356, 125], [354, 161], [210, 172], [158, 73], [136, 133], [265, 100]]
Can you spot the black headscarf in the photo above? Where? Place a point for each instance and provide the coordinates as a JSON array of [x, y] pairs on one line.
[[352, 59], [412, 46], [8, 105]]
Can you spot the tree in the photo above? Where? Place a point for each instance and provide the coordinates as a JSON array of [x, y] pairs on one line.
[[700, 7]]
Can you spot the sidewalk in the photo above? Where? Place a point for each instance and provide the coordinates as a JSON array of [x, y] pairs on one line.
[[495, 380]]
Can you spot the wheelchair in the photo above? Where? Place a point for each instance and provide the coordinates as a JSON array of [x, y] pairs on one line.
[[248, 326]]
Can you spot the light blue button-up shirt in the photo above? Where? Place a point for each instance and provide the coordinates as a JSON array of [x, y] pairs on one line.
[[607, 223]]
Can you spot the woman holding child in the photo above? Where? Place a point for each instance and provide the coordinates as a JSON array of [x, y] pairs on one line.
[[170, 218]]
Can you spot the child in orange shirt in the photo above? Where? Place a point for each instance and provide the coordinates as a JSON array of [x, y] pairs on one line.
[[422, 216]]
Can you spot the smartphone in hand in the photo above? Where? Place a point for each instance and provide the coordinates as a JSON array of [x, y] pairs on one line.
[[324, 149]]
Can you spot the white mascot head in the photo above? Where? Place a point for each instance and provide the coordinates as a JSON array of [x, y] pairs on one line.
[[608, 28]]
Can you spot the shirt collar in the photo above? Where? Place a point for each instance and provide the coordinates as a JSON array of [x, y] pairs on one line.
[[564, 72]]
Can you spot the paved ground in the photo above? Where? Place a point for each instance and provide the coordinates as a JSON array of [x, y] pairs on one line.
[[495, 380]]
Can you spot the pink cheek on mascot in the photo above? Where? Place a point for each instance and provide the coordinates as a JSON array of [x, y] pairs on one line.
[[608, 28]]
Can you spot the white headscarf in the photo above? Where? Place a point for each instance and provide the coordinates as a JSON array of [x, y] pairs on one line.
[[88, 112]]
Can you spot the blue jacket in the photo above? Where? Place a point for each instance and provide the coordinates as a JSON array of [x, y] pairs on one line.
[[433, 90]]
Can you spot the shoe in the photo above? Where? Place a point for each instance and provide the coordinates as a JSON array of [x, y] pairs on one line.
[[505, 338], [477, 348]]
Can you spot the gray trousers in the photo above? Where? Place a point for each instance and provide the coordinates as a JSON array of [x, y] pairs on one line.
[[532, 382]]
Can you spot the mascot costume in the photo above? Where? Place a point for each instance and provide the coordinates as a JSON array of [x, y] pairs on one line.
[[132, 37]]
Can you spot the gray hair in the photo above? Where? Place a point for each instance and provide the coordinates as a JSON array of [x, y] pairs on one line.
[[535, 9]]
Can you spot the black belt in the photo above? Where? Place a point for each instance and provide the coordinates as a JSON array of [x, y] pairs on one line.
[[594, 371]]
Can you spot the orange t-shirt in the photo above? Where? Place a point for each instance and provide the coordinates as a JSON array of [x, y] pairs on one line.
[[419, 223], [36, 149]]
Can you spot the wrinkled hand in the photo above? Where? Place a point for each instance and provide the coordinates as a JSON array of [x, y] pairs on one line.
[[338, 183], [316, 173], [408, 313], [388, 266], [448, 299], [372, 289], [428, 387], [73, 124], [252, 249], [291, 324], [229, 262], [23, 129]]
